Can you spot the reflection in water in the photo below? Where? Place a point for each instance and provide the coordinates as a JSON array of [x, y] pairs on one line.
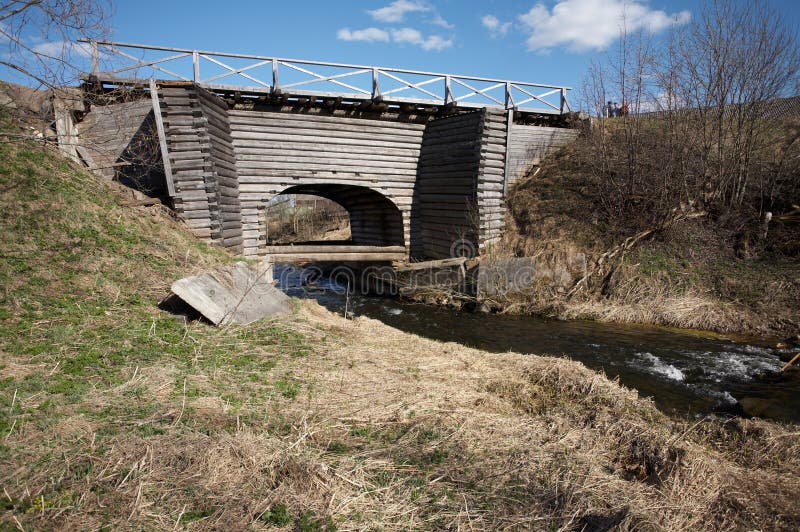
[[683, 373]]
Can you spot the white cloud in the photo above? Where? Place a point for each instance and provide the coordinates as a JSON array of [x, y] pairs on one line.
[[63, 49], [441, 22], [583, 25], [437, 43], [415, 37], [366, 34], [407, 35], [400, 36], [495, 27], [396, 11]]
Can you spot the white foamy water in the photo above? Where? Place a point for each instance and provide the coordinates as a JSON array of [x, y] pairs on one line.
[[657, 366], [725, 397], [742, 366], [393, 311]]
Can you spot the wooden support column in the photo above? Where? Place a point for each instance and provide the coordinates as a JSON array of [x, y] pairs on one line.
[[162, 138], [509, 124], [65, 102], [65, 130]]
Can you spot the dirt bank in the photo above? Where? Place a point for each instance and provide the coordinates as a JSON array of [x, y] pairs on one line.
[[718, 271]]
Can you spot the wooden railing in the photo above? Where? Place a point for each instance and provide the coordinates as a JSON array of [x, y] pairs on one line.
[[297, 77]]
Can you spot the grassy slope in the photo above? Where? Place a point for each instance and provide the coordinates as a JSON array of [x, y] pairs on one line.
[[690, 276], [113, 413]]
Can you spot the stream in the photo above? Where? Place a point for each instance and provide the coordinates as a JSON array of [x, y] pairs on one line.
[[685, 373]]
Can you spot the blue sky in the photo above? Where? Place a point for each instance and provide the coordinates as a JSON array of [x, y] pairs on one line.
[[544, 42]]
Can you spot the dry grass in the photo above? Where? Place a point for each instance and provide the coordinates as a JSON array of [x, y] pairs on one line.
[[685, 312], [393, 431], [114, 414]]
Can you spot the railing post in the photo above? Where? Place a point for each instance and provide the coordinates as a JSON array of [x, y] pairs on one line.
[[95, 58], [376, 90], [509, 99], [196, 66], [275, 75], [563, 100], [448, 92]]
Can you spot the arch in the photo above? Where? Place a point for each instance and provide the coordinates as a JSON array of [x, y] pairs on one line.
[[375, 220]]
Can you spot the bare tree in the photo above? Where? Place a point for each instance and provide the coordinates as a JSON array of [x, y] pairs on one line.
[[727, 66], [713, 142], [39, 37]]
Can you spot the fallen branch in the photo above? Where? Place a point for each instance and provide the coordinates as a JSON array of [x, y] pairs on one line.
[[142, 202], [618, 251], [792, 361]]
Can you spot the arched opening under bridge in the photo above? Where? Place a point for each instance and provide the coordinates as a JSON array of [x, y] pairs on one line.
[[376, 226]]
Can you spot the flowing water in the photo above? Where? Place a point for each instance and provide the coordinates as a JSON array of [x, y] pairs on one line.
[[684, 373]]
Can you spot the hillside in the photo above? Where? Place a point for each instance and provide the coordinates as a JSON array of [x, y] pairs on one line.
[[689, 265], [116, 414]]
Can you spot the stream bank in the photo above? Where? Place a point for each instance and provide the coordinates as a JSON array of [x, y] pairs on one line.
[[685, 372]]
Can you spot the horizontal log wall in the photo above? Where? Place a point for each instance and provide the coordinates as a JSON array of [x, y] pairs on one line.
[[223, 169], [188, 149], [444, 213], [275, 151], [528, 144], [491, 177]]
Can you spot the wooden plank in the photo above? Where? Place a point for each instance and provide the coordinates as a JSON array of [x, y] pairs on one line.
[[299, 177], [238, 115], [243, 148], [341, 166], [322, 256], [332, 248], [310, 134], [304, 155], [431, 264], [342, 124], [276, 139], [233, 294]]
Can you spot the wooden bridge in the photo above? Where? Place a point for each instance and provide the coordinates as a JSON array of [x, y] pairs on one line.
[[420, 161]]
